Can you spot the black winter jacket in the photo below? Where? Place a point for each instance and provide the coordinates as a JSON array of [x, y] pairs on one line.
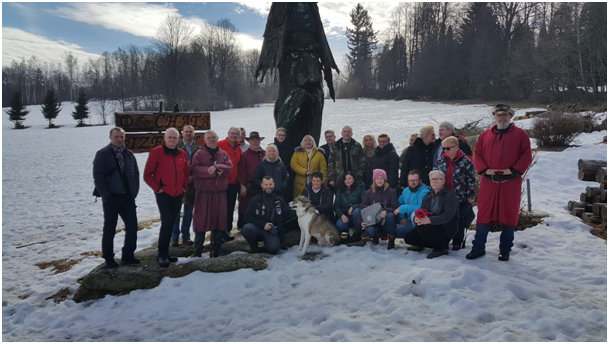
[[322, 201], [277, 170], [388, 160], [107, 177], [418, 157], [447, 214], [271, 208]]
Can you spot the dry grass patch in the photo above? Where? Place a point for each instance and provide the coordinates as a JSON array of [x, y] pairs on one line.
[[60, 296], [60, 265]]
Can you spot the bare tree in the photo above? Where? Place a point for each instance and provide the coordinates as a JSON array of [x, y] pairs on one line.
[[172, 41]]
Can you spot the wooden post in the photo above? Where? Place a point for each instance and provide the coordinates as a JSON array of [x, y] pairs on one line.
[[590, 166], [601, 175], [577, 212]]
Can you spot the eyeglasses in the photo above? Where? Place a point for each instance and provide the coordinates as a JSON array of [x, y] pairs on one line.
[[280, 135], [444, 149], [436, 179], [235, 134]]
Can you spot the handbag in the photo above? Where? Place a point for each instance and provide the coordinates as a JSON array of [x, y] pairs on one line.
[[371, 215]]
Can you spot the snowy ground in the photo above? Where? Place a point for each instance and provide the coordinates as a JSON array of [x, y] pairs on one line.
[[553, 288]]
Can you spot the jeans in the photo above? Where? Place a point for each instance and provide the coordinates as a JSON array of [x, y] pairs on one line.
[[253, 234], [123, 206], [402, 230], [186, 221], [231, 197], [389, 227], [169, 207], [506, 240], [344, 227]]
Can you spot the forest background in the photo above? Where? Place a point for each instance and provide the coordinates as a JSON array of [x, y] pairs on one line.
[[537, 53]]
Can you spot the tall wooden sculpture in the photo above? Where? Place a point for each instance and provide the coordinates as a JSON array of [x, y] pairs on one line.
[[295, 44]]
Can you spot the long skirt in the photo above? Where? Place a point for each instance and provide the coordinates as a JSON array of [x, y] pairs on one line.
[[209, 213]]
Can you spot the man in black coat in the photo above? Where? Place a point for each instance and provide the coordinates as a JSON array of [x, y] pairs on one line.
[[435, 228], [385, 158], [117, 182], [419, 157], [265, 218], [330, 137]]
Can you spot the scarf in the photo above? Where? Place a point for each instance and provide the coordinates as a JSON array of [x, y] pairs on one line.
[[450, 169], [118, 153]]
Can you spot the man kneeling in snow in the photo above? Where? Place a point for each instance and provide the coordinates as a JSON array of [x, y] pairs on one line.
[[438, 219], [265, 217]]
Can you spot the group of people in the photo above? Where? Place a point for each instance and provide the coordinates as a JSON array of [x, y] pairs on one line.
[[423, 196]]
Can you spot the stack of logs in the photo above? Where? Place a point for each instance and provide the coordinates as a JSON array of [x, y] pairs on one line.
[[592, 205]]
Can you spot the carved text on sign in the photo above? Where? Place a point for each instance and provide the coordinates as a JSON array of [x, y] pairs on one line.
[[139, 143], [142, 121]]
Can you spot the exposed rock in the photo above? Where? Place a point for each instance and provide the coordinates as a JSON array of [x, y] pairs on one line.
[[122, 280]]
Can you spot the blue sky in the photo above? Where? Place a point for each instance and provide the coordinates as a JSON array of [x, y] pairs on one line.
[[48, 30]]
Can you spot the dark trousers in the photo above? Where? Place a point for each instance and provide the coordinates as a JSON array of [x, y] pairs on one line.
[[506, 239], [430, 236], [253, 234], [466, 216], [169, 207], [231, 197], [123, 205]]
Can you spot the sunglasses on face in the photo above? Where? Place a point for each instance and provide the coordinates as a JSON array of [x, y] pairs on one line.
[[445, 149]]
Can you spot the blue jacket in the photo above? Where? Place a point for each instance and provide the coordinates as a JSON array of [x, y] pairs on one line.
[[411, 201]]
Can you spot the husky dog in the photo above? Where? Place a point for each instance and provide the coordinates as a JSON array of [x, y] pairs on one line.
[[312, 224]]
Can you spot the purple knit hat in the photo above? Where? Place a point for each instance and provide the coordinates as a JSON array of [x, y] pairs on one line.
[[379, 173]]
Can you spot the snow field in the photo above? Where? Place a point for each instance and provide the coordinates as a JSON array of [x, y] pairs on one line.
[[553, 289]]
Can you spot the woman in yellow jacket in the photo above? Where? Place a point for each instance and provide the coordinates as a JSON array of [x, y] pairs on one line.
[[306, 160]]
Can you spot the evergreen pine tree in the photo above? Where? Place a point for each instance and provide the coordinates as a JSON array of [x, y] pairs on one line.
[[81, 111], [51, 107], [361, 40], [17, 110]]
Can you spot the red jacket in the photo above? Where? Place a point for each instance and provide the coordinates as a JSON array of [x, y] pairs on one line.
[[234, 154], [171, 172], [247, 167], [500, 202]]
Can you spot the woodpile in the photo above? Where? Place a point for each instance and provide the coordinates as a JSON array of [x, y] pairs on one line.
[[592, 204]]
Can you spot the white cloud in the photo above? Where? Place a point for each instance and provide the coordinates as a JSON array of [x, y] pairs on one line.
[[248, 42], [18, 44], [336, 15], [139, 19]]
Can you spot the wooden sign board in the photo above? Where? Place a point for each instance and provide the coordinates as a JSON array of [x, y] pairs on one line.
[[150, 124], [149, 121], [140, 143]]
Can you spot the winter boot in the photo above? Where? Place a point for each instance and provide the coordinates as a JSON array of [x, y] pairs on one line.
[[375, 240], [391, 242], [357, 236], [504, 256], [217, 242]]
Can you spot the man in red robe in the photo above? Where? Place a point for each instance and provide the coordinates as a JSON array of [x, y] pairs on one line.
[[502, 156]]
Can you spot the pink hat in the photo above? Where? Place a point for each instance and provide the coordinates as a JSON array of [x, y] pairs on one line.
[[379, 173]]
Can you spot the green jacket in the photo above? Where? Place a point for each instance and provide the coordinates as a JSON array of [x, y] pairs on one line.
[[336, 165], [189, 195], [345, 200]]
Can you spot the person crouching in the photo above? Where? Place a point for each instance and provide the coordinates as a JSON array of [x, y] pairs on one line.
[[438, 219], [265, 218]]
